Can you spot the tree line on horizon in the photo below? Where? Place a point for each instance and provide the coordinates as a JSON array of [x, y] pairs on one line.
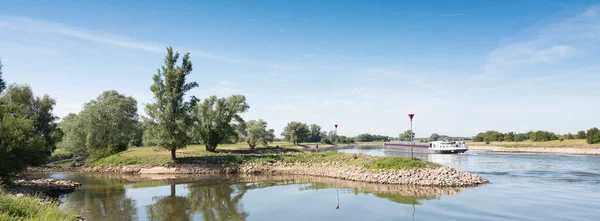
[[592, 136]]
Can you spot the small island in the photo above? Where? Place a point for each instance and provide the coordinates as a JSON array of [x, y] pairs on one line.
[[286, 161]]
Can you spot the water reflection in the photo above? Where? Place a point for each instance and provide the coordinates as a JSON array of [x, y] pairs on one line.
[[105, 200], [213, 198]]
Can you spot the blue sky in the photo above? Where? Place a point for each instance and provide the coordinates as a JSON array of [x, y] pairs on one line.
[[461, 66]]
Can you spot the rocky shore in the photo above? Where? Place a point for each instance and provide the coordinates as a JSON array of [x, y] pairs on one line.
[[42, 188], [442, 176]]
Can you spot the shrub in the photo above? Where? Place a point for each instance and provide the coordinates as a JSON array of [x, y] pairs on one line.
[[593, 136]]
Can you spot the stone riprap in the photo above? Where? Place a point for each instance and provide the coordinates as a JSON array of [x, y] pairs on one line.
[[441, 176]]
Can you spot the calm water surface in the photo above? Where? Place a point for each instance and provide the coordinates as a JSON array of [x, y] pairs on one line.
[[523, 187]]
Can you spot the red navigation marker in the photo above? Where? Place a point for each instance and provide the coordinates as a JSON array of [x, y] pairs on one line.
[[335, 126], [411, 116]]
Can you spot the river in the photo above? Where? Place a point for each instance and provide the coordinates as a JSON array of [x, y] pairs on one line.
[[522, 187]]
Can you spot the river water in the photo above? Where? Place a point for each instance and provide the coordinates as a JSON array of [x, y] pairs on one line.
[[522, 187]]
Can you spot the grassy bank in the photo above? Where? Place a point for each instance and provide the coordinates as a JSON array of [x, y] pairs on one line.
[[230, 155], [578, 143], [30, 209]]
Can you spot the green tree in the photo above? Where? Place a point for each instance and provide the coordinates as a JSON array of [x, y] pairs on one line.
[[315, 133], [105, 126], [257, 133], [169, 114], [521, 137], [434, 137], [407, 135], [543, 136], [570, 136], [296, 132], [218, 200], [2, 83], [581, 135], [137, 138], [510, 136], [215, 119], [28, 132], [593, 136], [171, 207]]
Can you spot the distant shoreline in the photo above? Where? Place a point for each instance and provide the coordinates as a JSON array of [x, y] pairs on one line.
[[550, 150]]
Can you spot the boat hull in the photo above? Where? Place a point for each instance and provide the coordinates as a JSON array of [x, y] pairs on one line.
[[422, 148]]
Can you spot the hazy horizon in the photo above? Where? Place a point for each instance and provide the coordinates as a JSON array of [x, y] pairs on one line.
[[462, 68]]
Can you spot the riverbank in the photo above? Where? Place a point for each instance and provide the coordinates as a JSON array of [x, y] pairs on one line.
[[35, 199], [322, 147], [354, 167], [552, 150]]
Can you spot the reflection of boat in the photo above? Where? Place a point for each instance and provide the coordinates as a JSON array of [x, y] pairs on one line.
[[443, 146]]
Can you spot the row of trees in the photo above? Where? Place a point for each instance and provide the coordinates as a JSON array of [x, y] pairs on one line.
[[298, 132], [110, 124], [372, 137], [591, 136]]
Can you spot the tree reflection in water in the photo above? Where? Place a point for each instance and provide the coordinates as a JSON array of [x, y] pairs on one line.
[[215, 198], [171, 207], [218, 201], [105, 200]]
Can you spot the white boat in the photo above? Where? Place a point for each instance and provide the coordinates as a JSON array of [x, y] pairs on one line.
[[443, 146]]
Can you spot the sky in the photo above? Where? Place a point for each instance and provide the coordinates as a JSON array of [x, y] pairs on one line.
[[461, 67]]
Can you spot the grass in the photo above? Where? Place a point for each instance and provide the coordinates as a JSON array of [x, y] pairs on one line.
[[400, 163], [30, 209], [577, 143], [60, 154], [236, 154]]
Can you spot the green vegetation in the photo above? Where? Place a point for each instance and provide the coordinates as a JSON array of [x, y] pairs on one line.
[[315, 133], [234, 154], [372, 137], [28, 132], [168, 117], [408, 135], [296, 132], [400, 163], [2, 83], [215, 120], [60, 154], [593, 136], [577, 143], [537, 136], [105, 126], [30, 209], [257, 133]]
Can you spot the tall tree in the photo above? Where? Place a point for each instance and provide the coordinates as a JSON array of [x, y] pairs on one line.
[[169, 114], [581, 135], [407, 135], [28, 132], [315, 133], [257, 133], [593, 136], [216, 119], [434, 137], [105, 126], [2, 83], [296, 132]]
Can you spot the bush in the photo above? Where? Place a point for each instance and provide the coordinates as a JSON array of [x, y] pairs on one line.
[[26, 208], [543, 136], [60, 154], [593, 136], [561, 139], [326, 140]]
